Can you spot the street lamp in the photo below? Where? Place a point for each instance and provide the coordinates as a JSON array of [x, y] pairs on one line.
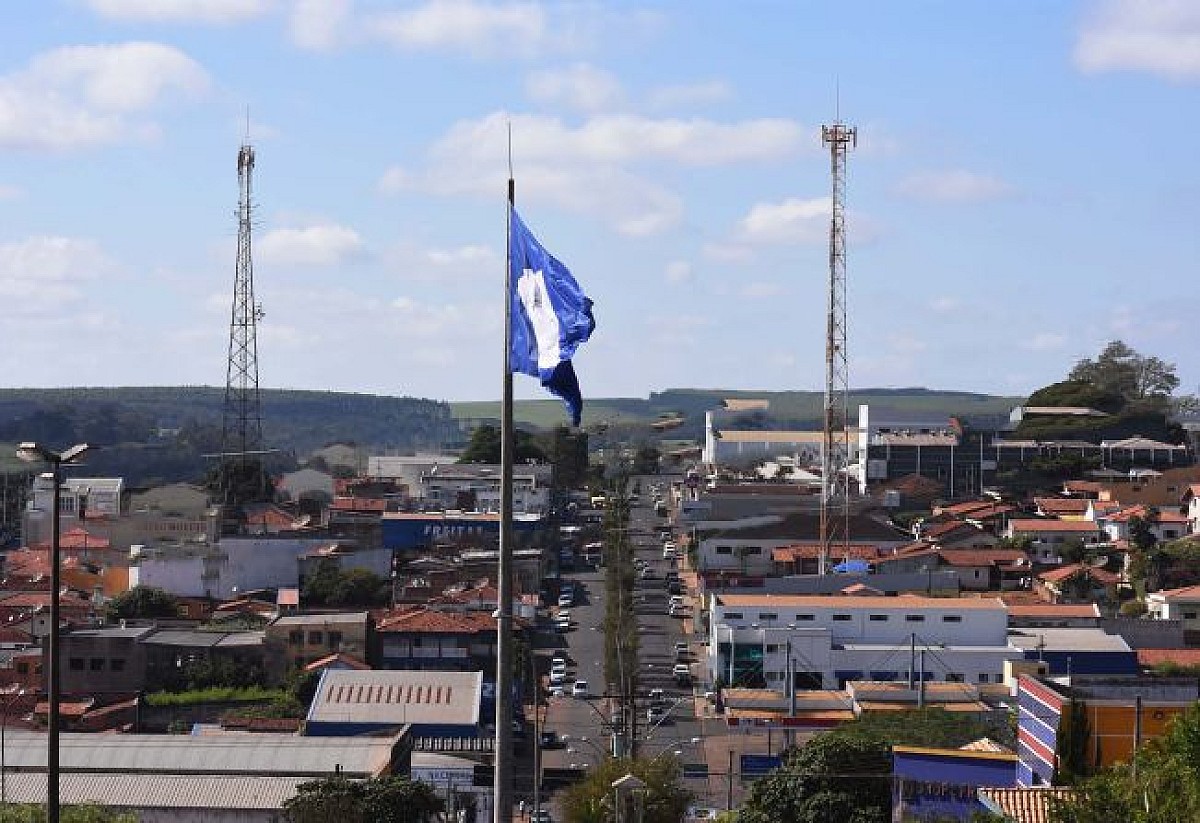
[[34, 453]]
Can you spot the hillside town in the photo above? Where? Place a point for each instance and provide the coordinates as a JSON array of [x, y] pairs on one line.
[[216, 657]]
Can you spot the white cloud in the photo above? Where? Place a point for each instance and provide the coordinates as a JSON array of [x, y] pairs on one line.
[[85, 95], [585, 169], [667, 97], [324, 244], [581, 87], [1044, 341], [676, 330], [1158, 36], [463, 25], [463, 264], [955, 186], [758, 290], [945, 304], [319, 25], [791, 221], [181, 11], [678, 271], [727, 252], [39, 273]]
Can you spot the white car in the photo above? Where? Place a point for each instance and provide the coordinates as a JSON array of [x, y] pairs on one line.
[[558, 678], [676, 600], [681, 670], [562, 624], [563, 614], [558, 668], [579, 688], [558, 691], [681, 649], [565, 601], [654, 714]]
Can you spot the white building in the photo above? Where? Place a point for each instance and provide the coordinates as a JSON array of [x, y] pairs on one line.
[[1176, 604], [832, 640], [103, 496], [236, 564], [476, 487]]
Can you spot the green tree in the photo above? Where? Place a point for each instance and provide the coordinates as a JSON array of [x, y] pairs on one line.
[[376, 800], [665, 801], [1074, 745], [929, 726], [1120, 369], [142, 603], [359, 587], [835, 778], [645, 460], [484, 447]]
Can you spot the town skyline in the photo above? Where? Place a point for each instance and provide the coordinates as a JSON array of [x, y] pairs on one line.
[[1005, 217]]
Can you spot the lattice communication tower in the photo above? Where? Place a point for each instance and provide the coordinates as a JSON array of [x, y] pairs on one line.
[[241, 428], [835, 445]]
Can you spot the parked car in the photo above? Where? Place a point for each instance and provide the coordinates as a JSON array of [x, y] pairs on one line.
[[558, 691], [565, 601], [579, 688], [562, 624], [540, 816], [658, 697], [558, 677], [655, 714], [551, 740], [681, 651]]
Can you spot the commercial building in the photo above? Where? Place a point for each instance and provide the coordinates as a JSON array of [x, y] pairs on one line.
[[443, 705], [833, 640], [1122, 714]]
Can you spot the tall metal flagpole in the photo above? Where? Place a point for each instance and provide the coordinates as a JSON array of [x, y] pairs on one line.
[[502, 756]]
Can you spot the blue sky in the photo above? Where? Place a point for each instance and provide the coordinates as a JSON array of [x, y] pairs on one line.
[[1025, 188]]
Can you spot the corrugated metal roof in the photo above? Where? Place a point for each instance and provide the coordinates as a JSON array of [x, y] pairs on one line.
[[393, 697], [139, 791], [321, 619], [232, 754]]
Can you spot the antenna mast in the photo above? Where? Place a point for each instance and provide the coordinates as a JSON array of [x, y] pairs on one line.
[[241, 428], [835, 445]]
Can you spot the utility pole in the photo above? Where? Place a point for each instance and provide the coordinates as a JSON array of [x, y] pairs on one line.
[[729, 782], [835, 443]]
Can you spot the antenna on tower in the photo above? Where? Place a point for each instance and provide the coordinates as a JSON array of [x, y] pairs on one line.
[[241, 424], [835, 443]]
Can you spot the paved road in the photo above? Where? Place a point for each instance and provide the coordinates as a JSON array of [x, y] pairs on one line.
[[691, 728]]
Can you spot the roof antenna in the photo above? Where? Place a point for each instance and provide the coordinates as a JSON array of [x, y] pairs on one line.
[[837, 100], [247, 123]]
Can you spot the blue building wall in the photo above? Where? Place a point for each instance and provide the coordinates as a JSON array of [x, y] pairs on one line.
[[1084, 662], [941, 783], [415, 532]]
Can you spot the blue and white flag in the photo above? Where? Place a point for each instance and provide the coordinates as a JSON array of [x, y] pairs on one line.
[[551, 316]]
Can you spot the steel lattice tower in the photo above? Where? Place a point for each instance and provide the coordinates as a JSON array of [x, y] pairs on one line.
[[241, 429], [835, 444]]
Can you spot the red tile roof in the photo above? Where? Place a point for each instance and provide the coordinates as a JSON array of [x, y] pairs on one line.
[[965, 508], [1061, 505], [1180, 657], [1032, 525], [358, 504], [1041, 609], [1067, 572], [1024, 805], [1149, 515], [807, 551], [1182, 593], [428, 621], [984, 557]]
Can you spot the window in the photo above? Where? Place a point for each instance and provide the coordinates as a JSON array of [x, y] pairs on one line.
[[295, 638], [724, 549], [955, 677], [914, 618], [117, 664], [878, 618], [772, 648], [316, 638], [768, 616], [842, 618], [983, 677], [1189, 615], [733, 615], [752, 550], [335, 639], [951, 618], [96, 664], [803, 617], [76, 664]]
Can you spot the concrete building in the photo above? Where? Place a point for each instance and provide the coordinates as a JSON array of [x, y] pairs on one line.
[[295, 640], [1048, 536], [1075, 651], [1122, 713], [476, 487], [425, 639], [1181, 604], [429, 704], [832, 640]]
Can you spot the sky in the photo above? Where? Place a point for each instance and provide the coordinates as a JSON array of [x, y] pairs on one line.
[[1024, 188]]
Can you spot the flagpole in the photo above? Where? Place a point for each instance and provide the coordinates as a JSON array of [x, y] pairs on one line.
[[503, 753]]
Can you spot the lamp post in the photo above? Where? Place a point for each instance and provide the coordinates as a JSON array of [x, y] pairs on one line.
[[34, 453]]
